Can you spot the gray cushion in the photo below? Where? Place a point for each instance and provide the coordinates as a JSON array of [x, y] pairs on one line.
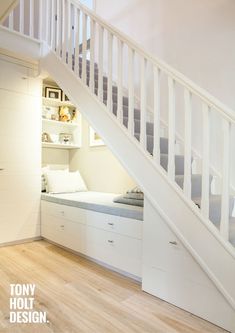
[[132, 195]]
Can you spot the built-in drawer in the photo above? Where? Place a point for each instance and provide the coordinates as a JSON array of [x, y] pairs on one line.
[[64, 232], [68, 212], [122, 252], [116, 224]]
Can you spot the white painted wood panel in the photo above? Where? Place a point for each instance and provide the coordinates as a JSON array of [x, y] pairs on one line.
[[20, 155]]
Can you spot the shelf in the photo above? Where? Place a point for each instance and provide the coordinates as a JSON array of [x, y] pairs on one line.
[[59, 145], [59, 123], [55, 102]]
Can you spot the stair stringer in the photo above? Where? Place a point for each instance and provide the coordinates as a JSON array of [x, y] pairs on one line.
[[215, 256]]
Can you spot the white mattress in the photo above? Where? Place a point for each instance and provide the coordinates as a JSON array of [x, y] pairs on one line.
[[96, 201]]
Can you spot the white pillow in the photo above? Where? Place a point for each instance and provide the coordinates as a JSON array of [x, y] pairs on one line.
[[62, 181]]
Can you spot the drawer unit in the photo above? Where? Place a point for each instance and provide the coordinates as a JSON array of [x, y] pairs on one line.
[[116, 224], [119, 251], [113, 240], [68, 212], [63, 232]]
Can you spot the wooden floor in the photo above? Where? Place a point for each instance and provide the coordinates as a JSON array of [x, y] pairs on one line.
[[80, 296]]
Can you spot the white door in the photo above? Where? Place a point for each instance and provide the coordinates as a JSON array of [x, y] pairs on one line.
[[20, 153]]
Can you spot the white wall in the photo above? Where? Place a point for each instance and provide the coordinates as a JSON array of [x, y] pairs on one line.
[[194, 36], [99, 168]]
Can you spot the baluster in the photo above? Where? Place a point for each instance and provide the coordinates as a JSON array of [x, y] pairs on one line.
[[143, 103], [58, 28], [47, 23], [224, 223], [11, 20], [70, 41], [131, 120], [64, 31], [52, 25], [100, 65], [40, 13], [187, 142], [110, 71], [31, 18], [120, 81], [171, 129], [205, 161], [21, 18], [77, 32], [84, 47], [92, 54], [156, 113]]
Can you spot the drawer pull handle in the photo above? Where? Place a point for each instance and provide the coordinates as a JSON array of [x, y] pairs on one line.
[[110, 223], [110, 241], [62, 212], [173, 243], [1, 169]]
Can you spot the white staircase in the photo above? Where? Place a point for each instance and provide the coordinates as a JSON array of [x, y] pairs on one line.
[[106, 75]]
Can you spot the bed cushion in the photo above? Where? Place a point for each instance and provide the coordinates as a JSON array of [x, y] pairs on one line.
[[96, 201], [63, 181]]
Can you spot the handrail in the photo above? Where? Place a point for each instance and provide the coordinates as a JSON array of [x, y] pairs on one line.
[[177, 76]]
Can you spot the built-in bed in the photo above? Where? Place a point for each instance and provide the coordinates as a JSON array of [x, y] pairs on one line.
[[92, 224]]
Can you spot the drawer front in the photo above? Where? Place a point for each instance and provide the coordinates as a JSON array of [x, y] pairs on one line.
[[67, 212], [122, 252], [63, 232], [115, 224]]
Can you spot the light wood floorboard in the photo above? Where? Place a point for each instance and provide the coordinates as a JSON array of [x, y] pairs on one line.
[[83, 297]]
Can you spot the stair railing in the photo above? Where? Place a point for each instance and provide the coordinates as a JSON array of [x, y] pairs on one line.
[[66, 25]]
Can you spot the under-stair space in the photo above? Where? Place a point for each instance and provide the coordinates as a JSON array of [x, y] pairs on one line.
[[173, 138]]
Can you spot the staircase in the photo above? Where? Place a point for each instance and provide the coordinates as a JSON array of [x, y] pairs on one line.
[[106, 74]]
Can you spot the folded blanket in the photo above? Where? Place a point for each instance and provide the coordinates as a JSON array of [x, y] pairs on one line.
[[135, 190], [128, 201], [136, 196]]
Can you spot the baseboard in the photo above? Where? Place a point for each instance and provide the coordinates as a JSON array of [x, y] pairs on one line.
[[21, 241], [98, 262]]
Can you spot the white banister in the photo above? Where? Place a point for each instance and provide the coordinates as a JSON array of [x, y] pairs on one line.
[[171, 128], [58, 28], [187, 142], [100, 63], [11, 20], [40, 17], [21, 17], [84, 47], [31, 18], [77, 41], [131, 90], [64, 31], [143, 106], [156, 113], [205, 161], [120, 81], [47, 23], [52, 18], [224, 223], [70, 36], [110, 72], [92, 55]]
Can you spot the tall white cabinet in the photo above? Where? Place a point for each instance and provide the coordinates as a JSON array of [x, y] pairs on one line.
[[20, 150]]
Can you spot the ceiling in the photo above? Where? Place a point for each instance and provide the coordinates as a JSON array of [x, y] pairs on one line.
[[5, 7]]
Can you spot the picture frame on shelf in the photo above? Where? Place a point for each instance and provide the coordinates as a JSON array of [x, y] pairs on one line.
[[53, 93], [95, 139]]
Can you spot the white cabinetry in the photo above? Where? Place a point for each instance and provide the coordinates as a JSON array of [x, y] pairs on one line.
[[20, 155], [113, 240]]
